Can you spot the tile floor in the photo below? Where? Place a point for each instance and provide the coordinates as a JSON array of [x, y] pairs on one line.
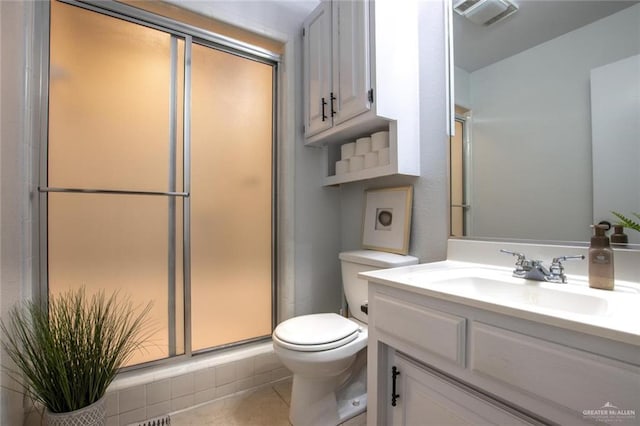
[[264, 406]]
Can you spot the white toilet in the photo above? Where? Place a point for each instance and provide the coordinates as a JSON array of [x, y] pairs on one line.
[[327, 352]]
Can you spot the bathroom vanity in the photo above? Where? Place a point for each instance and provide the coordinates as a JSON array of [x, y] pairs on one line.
[[463, 343]]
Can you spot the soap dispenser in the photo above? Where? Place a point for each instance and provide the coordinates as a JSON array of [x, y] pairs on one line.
[[600, 260], [619, 238]]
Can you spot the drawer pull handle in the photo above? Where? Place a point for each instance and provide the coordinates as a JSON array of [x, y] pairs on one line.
[[394, 396]]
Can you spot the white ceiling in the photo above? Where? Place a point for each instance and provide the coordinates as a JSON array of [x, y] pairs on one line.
[[475, 46], [536, 21], [274, 18]]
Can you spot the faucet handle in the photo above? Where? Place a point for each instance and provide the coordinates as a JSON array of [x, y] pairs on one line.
[[520, 256], [557, 268], [563, 258], [522, 264]]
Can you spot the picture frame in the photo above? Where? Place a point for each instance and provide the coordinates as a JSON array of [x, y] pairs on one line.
[[386, 221]]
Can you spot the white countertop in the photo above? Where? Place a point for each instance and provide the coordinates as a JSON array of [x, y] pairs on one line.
[[574, 306]]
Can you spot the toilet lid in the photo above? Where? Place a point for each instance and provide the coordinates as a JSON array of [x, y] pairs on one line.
[[316, 329]]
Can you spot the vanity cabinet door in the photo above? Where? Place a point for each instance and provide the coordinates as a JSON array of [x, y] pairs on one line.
[[582, 383], [425, 397], [317, 70]]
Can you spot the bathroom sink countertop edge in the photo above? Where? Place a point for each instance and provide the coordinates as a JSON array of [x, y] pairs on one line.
[[574, 306]]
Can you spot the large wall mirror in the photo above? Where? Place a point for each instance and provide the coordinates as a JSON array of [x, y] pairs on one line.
[[548, 119]]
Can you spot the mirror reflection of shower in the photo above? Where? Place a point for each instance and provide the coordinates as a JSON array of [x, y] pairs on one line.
[[459, 196]]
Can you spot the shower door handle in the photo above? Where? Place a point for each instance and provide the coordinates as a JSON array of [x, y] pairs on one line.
[[112, 191]]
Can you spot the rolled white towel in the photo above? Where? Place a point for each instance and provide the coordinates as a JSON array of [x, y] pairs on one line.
[[347, 150], [383, 157], [363, 145], [370, 160], [379, 140], [342, 167], [356, 163]]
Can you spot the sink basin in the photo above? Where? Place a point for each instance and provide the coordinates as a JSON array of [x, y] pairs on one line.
[[499, 286], [477, 287]]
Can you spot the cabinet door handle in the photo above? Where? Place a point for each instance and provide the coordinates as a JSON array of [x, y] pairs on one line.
[[394, 395], [333, 98], [324, 104]]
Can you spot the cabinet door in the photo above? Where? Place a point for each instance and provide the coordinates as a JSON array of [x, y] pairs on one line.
[[428, 398], [317, 70], [351, 55]]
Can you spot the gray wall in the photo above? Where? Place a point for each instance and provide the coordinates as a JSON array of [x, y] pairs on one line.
[[16, 177], [531, 134]]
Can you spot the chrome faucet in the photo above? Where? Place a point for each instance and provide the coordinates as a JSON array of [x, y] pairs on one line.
[[535, 270]]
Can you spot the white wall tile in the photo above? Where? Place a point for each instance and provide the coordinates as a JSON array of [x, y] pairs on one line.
[[125, 419], [182, 402], [132, 399], [225, 390], [205, 379], [204, 396], [267, 362], [225, 373], [245, 368], [159, 391], [182, 385], [111, 403], [160, 409], [261, 379], [244, 384]]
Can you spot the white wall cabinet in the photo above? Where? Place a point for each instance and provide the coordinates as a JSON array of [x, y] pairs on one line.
[[361, 76], [337, 74], [463, 365]]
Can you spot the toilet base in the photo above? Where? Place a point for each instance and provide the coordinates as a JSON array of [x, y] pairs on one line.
[[329, 401]]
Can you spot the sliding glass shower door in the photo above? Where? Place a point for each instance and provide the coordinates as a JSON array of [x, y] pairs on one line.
[[158, 188], [231, 206]]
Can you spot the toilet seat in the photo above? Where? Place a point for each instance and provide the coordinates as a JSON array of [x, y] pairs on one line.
[[316, 332]]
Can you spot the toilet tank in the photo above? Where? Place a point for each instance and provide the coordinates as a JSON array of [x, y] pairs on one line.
[[356, 261]]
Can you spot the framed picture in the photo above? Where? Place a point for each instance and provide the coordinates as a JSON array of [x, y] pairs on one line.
[[387, 219]]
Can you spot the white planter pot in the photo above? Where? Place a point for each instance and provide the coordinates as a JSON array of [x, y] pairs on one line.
[[91, 415]]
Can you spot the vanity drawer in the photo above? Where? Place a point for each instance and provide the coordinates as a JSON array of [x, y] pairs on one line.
[[431, 331], [573, 379]]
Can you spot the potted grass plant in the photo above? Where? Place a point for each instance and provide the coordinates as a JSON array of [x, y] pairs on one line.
[[628, 222], [67, 355]]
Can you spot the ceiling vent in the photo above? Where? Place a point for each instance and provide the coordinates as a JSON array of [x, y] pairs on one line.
[[485, 12]]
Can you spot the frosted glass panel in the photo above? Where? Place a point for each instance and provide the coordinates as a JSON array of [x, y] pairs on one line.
[[231, 198], [110, 95], [110, 118], [115, 242], [456, 157]]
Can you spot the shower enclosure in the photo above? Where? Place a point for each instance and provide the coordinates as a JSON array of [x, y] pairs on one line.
[[158, 175]]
